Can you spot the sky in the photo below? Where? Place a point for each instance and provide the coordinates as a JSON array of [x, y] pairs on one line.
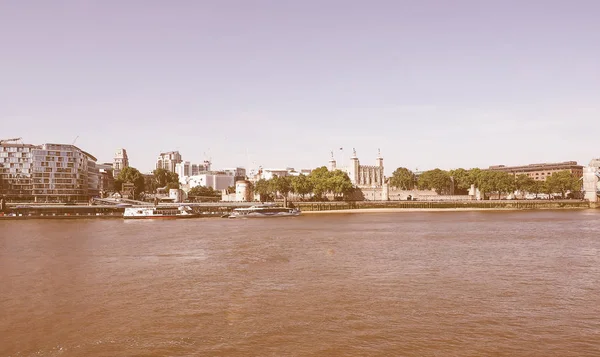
[[432, 84]]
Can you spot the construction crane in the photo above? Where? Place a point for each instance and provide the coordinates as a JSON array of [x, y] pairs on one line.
[[10, 140]]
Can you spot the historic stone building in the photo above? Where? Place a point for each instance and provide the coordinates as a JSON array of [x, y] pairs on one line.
[[362, 176]]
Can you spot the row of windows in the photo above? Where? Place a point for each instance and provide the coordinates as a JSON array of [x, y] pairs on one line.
[[15, 149], [13, 154]]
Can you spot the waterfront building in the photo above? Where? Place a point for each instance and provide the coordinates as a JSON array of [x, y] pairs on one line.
[[362, 175], [120, 162], [540, 172], [168, 160], [48, 172], [93, 178], [217, 180]]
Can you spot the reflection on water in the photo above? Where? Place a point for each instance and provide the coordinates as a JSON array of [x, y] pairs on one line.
[[409, 284]]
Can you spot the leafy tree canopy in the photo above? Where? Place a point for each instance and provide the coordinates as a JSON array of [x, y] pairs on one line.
[[130, 174], [403, 179], [436, 179], [203, 191]]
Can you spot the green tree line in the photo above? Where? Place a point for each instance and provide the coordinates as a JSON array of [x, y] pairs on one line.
[[160, 178], [488, 182], [317, 184]]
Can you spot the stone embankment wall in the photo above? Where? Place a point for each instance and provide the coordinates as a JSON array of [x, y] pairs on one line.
[[550, 204]]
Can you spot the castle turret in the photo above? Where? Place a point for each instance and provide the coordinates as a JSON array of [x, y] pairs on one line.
[[379, 159], [353, 169], [379, 165], [332, 163]]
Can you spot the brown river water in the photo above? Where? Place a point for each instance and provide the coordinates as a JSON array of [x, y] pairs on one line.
[[375, 284]]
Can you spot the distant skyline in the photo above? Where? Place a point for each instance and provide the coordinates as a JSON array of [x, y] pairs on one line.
[[445, 84]]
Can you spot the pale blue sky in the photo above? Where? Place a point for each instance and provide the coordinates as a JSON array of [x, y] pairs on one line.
[[282, 83]]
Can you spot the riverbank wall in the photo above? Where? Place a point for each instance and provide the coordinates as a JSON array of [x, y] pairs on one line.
[[217, 210], [441, 205]]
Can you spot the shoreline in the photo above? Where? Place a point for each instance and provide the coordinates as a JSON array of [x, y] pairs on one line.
[[469, 209]]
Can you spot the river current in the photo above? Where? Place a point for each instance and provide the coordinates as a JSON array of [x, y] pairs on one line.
[[521, 283]]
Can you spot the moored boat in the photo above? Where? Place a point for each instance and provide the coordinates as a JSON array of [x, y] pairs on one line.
[[264, 211], [159, 212]]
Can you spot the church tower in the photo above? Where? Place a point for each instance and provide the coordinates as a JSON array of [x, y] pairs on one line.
[[332, 163]]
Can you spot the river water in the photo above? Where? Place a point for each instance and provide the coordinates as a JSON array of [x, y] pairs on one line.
[[375, 284]]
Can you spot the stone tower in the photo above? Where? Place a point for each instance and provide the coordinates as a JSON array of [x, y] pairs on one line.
[[353, 169], [379, 159], [332, 163], [590, 183]]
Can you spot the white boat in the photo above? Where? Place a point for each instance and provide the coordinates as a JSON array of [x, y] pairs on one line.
[[264, 211], [159, 212]]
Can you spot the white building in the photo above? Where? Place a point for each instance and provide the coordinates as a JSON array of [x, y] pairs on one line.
[[218, 181], [183, 169]]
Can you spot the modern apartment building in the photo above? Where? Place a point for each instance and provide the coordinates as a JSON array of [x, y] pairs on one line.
[[186, 169], [168, 160], [540, 172], [120, 162], [48, 172]]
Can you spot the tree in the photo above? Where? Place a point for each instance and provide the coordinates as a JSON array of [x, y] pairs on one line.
[[262, 187], [130, 174], [403, 179], [462, 181], [435, 179], [523, 183], [562, 182], [201, 191], [318, 178], [283, 186], [339, 183], [301, 185], [537, 187], [150, 184], [506, 183], [164, 177]]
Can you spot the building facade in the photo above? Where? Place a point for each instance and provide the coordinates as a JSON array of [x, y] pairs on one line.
[[47, 173], [120, 162], [107, 179], [238, 173], [362, 175], [540, 172], [217, 180], [183, 169], [168, 160]]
